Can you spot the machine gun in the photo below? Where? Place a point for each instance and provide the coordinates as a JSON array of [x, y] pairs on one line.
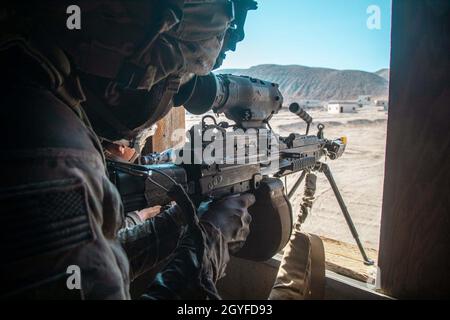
[[250, 103]]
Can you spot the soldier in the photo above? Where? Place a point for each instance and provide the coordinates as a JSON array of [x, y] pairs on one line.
[[64, 91]]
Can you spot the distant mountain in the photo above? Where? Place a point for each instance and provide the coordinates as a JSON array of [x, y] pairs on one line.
[[384, 73], [306, 83]]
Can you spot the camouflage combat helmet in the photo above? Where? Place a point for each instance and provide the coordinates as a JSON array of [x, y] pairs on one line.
[[134, 55]]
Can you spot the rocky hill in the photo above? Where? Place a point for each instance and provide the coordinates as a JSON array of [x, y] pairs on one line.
[[307, 83], [384, 73]]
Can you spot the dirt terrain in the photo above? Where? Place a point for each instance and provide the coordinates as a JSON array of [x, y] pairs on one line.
[[359, 173]]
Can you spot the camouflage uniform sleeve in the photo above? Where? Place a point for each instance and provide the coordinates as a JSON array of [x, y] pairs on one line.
[[194, 268], [59, 209], [132, 219], [197, 263], [150, 242]]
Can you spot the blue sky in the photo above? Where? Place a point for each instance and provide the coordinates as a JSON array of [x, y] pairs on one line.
[[316, 33]]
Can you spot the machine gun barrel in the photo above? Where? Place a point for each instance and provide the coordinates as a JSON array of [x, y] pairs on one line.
[[296, 109]]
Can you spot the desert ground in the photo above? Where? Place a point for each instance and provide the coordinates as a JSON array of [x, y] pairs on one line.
[[358, 174]]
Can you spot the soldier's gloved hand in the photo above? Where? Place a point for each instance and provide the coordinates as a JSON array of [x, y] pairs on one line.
[[231, 217], [201, 256]]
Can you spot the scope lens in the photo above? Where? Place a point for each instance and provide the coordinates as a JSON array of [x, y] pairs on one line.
[[198, 95]]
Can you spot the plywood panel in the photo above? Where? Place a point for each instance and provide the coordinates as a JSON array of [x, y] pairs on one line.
[[345, 259], [164, 137], [414, 253]]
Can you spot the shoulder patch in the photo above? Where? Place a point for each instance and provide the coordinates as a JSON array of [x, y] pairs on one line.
[[43, 218]]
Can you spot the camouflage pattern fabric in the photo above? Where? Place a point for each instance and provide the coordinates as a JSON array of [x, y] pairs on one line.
[[52, 158]]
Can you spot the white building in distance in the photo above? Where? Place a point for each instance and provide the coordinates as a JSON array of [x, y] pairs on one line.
[[364, 101], [383, 103], [336, 107]]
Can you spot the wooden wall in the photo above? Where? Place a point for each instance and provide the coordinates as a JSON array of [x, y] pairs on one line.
[[164, 138], [415, 229]]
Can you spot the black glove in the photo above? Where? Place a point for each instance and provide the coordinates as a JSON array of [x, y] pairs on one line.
[[230, 216]]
